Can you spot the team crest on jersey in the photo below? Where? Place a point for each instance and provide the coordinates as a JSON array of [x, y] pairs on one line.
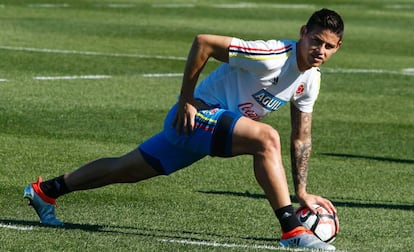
[[300, 89], [268, 101]]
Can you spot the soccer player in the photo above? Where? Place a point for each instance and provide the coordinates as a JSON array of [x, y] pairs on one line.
[[221, 117]]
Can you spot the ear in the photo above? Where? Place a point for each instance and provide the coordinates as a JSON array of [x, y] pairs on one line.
[[303, 31]]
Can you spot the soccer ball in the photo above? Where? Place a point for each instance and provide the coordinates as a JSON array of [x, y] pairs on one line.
[[323, 224]]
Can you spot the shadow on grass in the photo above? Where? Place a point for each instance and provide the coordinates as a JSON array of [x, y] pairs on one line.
[[340, 203], [395, 160], [160, 234]]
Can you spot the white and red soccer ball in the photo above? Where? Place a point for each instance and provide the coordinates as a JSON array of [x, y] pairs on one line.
[[323, 224]]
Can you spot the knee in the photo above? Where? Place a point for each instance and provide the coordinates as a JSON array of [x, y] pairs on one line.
[[269, 140], [133, 167]]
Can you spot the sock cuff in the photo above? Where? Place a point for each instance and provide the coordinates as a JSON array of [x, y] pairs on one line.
[[42, 195], [283, 210], [287, 218]]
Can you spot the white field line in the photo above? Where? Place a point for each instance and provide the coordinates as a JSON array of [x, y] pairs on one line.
[[120, 5], [162, 75], [240, 5], [243, 5], [189, 242], [91, 53], [75, 77], [223, 245], [406, 71], [49, 5], [173, 6], [234, 245], [96, 77], [29, 228], [399, 6]]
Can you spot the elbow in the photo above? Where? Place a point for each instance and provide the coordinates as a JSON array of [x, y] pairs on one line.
[[201, 40]]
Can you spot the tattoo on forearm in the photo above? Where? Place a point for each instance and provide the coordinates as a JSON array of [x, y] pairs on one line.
[[301, 147], [300, 154]]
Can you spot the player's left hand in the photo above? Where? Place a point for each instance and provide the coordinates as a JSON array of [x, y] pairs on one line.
[[308, 200]]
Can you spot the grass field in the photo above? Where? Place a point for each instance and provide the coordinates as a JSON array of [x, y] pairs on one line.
[[80, 80]]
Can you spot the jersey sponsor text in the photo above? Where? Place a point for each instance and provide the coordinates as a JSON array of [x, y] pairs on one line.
[[268, 101], [247, 110]]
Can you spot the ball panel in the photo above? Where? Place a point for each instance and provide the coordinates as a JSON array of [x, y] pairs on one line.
[[323, 224]]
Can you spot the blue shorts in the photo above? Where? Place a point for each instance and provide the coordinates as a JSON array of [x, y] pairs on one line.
[[168, 152]]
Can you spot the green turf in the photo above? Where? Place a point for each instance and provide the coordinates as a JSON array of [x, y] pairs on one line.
[[363, 124]]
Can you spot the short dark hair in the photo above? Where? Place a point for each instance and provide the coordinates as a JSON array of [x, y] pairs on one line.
[[326, 19]]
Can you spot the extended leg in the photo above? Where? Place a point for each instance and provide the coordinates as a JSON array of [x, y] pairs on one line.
[[126, 169], [129, 168]]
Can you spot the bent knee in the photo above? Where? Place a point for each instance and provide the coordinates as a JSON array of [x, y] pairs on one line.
[[265, 140], [269, 138], [251, 137]]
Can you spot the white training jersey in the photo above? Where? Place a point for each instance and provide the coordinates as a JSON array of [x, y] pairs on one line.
[[261, 77]]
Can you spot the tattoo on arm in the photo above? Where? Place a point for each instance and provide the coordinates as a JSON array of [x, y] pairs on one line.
[[300, 154], [301, 147]]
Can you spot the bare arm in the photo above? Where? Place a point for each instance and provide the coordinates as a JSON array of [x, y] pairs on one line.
[[301, 148], [204, 46]]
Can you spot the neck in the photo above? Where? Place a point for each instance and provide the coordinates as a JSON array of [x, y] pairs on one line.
[[300, 58]]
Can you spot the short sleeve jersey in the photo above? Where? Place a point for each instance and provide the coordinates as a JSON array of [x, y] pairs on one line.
[[261, 77]]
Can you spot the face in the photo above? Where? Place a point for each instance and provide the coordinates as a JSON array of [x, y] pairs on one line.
[[316, 47]]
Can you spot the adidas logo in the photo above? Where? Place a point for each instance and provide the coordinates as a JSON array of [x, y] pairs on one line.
[[286, 215], [294, 242]]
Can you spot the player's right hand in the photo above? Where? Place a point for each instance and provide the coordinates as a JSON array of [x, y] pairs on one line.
[[185, 118]]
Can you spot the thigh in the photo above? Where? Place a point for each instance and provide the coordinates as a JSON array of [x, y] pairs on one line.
[[168, 152], [211, 134], [166, 157]]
